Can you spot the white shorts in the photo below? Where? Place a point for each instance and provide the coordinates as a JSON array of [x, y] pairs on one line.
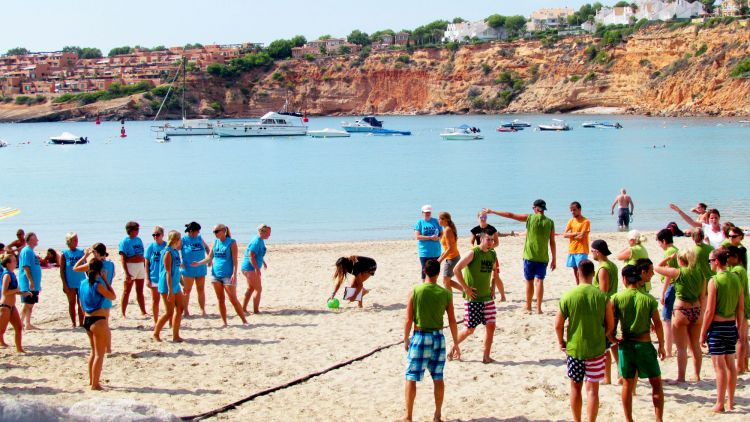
[[137, 270]]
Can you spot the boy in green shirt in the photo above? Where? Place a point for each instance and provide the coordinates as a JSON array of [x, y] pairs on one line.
[[636, 312], [590, 320], [426, 350]]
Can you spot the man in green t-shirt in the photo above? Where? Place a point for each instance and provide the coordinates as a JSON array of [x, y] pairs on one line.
[[474, 274], [636, 313], [590, 320], [540, 231], [426, 349]]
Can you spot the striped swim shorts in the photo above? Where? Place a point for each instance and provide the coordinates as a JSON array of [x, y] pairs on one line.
[[722, 337], [590, 370], [476, 313]]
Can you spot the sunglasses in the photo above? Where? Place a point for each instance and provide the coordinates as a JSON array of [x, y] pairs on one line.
[[218, 231], [155, 234], [732, 236]]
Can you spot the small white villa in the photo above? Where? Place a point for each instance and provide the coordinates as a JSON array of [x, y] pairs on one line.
[[458, 32], [649, 9]]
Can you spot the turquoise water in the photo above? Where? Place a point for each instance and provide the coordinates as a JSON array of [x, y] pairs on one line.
[[366, 187]]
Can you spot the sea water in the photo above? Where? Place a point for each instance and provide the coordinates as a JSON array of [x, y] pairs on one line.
[[366, 187]]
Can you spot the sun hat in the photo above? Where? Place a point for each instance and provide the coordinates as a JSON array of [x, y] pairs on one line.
[[427, 208]]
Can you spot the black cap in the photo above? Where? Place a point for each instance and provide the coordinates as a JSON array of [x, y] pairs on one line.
[[539, 203], [601, 246], [192, 227], [631, 274], [676, 232]]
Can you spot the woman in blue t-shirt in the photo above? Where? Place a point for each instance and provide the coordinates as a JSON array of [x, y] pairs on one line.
[[223, 258], [427, 231], [153, 266], [170, 288], [72, 279], [131, 257], [93, 292], [99, 253], [194, 249], [251, 266]]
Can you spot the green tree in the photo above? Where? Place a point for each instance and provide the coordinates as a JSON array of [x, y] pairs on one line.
[[458, 19], [280, 49], [298, 41], [159, 48], [622, 3], [359, 37], [378, 35], [18, 51], [325, 37], [119, 50], [515, 24], [195, 46], [83, 53], [344, 49], [709, 5], [495, 21]]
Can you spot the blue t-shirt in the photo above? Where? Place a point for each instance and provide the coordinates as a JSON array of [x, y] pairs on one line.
[[175, 270], [13, 285], [109, 267], [131, 246], [153, 256], [429, 248], [27, 258], [91, 299], [223, 263], [193, 250], [73, 278], [258, 247]]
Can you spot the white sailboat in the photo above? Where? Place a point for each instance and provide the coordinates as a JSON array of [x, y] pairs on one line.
[[195, 127]]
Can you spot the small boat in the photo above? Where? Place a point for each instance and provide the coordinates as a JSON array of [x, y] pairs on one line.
[[386, 132], [68, 138], [461, 133], [516, 124], [507, 129], [280, 123], [601, 125], [559, 125], [368, 124], [744, 121], [3, 144], [328, 133]]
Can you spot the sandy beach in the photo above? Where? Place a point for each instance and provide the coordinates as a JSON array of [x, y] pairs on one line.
[[296, 335]]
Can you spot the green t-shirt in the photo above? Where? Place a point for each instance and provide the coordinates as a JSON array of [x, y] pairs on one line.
[[584, 306], [429, 303], [633, 310], [636, 252], [689, 284], [702, 253], [612, 270], [538, 230], [479, 273], [728, 288], [742, 274]]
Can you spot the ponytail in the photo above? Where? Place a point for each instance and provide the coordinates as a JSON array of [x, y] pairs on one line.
[[95, 270], [229, 234], [687, 256], [344, 266], [446, 216]]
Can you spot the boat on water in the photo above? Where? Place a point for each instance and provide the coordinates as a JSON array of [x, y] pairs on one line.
[[744, 121], [388, 132], [516, 124], [461, 133], [194, 127], [557, 126], [67, 138], [507, 129], [367, 124], [280, 123], [601, 125], [328, 133], [3, 144]]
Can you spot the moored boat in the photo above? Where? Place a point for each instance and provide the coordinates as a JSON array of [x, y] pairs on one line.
[[195, 127], [67, 138], [601, 125], [3, 144], [516, 124], [328, 133], [366, 124], [461, 133], [390, 132], [557, 126], [507, 129], [271, 124]]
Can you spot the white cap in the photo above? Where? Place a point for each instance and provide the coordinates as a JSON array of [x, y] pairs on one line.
[[634, 234], [426, 208]]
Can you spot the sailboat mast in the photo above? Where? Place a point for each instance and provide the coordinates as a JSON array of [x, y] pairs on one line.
[[184, 82]]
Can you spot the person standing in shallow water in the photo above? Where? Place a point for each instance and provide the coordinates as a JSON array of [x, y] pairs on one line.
[[626, 208], [131, 257]]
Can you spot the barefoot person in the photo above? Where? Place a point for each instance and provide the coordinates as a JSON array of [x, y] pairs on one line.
[[425, 307], [606, 281], [635, 251], [194, 248], [93, 291], [72, 279], [169, 287], [590, 321], [626, 207], [724, 313], [636, 312], [665, 241], [99, 253], [450, 256], [427, 231], [689, 288], [8, 311], [734, 265], [540, 231], [252, 265], [474, 274], [153, 258], [476, 234], [577, 231], [223, 258], [30, 279], [712, 229], [362, 268], [131, 258]]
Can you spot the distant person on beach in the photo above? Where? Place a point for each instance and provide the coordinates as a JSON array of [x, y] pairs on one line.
[[93, 291], [635, 251], [194, 248], [223, 258], [606, 281], [9, 291], [30, 279], [702, 210], [636, 312], [153, 257], [170, 288], [734, 265], [667, 298], [426, 349], [724, 315], [427, 231], [474, 274], [626, 207], [99, 253], [577, 231], [450, 255], [712, 229], [734, 238], [15, 246], [51, 259], [590, 319], [132, 260], [72, 279], [540, 231], [252, 265], [475, 239], [362, 268]]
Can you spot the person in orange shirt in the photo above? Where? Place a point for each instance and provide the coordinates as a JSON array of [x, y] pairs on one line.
[[577, 231], [450, 256]]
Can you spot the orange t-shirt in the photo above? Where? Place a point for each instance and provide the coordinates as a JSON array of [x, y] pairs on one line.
[[578, 225], [452, 252]]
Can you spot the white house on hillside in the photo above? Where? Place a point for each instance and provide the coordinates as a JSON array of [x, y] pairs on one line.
[[649, 9], [549, 18], [467, 30]]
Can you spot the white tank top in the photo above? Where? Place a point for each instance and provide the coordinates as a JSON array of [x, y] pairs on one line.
[[714, 238]]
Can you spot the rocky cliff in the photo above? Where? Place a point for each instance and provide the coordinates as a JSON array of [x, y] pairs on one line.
[[659, 70]]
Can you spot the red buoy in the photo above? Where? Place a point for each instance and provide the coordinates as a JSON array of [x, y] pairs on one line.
[[98, 122], [305, 119]]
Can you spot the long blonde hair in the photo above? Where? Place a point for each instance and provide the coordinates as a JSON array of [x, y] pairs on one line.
[[445, 215], [173, 237], [688, 256]]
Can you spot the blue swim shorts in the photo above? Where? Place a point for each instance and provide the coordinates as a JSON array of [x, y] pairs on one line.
[[426, 351], [669, 297], [575, 258], [534, 269]]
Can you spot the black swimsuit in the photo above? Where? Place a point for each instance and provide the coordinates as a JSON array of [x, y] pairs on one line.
[[88, 321]]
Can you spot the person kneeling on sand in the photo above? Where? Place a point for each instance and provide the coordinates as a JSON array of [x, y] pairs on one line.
[[426, 349], [479, 291], [590, 320], [362, 268]]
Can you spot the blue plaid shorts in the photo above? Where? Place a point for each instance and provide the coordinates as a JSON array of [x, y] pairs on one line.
[[426, 351]]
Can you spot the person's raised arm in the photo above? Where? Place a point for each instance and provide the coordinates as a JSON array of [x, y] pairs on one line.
[[708, 316], [624, 254], [559, 330], [105, 289], [684, 216], [458, 272], [409, 320], [662, 268], [518, 217], [82, 265]]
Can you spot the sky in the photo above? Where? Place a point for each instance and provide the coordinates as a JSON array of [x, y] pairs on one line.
[[49, 25]]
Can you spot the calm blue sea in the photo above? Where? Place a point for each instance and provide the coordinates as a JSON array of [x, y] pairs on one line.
[[365, 187]]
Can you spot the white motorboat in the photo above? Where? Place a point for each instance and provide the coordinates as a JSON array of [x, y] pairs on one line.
[[67, 138], [366, 124], [558, 125], [271, 124], [328, 133], [744, 121], [3, 144], [601, 125], [461, 133], [516, 124]]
